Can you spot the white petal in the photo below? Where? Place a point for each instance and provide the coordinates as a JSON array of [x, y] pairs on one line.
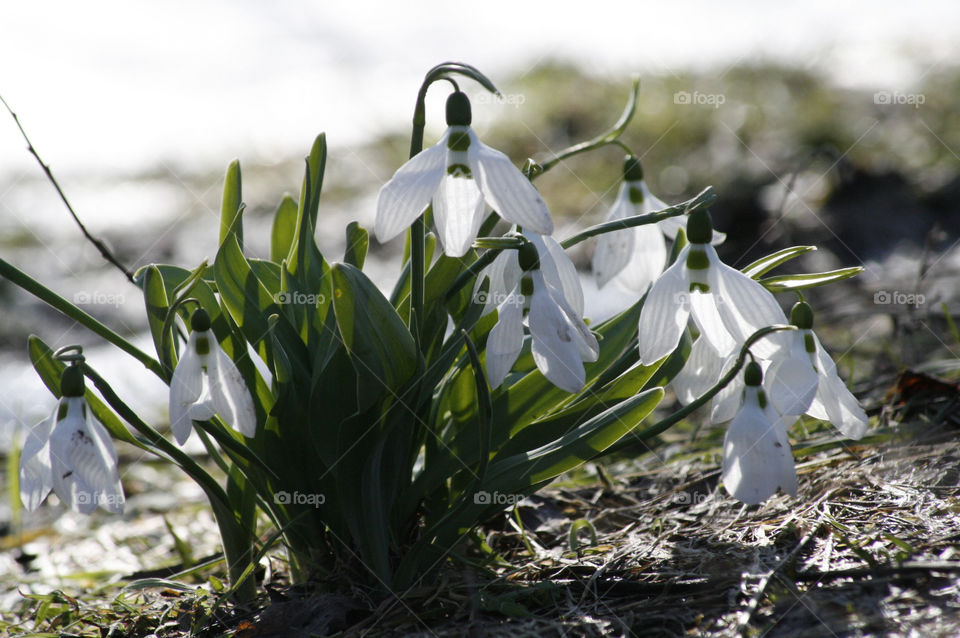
[[505, 340], [504, 275], [507, 190], [834, 402], [36, 473], [756, 456], [83, 460], [647, 260], [554, 344], [614, 250], [791, 380], [726, 402], [231, 397], [699, 374], [185, 387], [706, 314], [558, 270], [665, 312], [458, 209], [408, 192], [745, 306]]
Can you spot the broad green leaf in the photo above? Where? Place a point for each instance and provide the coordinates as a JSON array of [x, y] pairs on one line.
[[771, 261], [380, 345], [358, 240], [284, 229], [786, 283], [231, 219]]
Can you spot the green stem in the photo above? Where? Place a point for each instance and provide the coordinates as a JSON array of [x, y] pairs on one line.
[[702, 200], [35, 288]]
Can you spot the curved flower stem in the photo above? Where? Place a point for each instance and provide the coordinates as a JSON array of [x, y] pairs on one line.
[[682, 413], [702, 200], [610, 137], [44, 294], [418, 228]]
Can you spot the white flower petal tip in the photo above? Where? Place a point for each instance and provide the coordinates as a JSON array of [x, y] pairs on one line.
[[505, 340], [757, 460], [561, 342], [207, 382], [665, 312], [35, 472], [507, 190], [409, 191]]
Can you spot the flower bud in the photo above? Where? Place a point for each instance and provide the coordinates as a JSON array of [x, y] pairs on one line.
[[458, 109], [632, 170], [71, 381], [528, 257], [753, 374]]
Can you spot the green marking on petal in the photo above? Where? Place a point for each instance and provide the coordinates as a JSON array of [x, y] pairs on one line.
[[697, 286], [458, 141], [459, 170], [62, 411], [203, 345], [526, 286], [808, 343], [697, 259], [636, 195], [762, 399]]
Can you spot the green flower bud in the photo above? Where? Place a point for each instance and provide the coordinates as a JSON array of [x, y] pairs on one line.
[[699, 227], [801, 315], [458, 109], [200, 320], [753, 374], [632, 170], [71, 381]]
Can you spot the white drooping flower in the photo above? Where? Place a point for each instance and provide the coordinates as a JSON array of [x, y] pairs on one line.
[[460, 175], [560, 340], [207, 382], [757, 460], [72, 454], [726, 305], [635, 257], [802, 379]]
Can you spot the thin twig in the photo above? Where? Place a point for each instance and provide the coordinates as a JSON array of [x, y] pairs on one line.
[[104, 251]]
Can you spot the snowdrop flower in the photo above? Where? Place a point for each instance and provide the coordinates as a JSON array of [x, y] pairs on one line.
[[207, 382], [560, 340], [459, 174], [635, 257], [726, 305], [756, 454], [72, 454], [802, 379]]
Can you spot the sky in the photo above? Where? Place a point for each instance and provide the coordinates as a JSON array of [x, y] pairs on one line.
[[114, 86]]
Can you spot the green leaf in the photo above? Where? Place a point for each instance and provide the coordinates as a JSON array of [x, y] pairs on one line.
[[381, 348], [785, 283], [771, 261], [158, 306], [232, 207], [284, 229], [358, 241]]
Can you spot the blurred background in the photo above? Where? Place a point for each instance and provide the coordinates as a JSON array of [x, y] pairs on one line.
[[816, 122]]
